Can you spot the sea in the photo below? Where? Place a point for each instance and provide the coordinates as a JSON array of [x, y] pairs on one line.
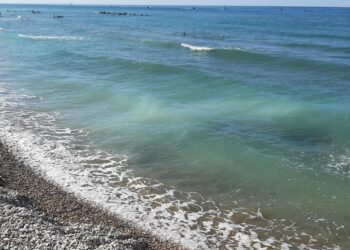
[[212, 127]]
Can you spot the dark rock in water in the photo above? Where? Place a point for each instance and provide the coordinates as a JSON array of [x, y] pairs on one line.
[[120, 13]]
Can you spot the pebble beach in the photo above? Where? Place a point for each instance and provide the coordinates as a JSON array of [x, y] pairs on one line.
[[36, 214]]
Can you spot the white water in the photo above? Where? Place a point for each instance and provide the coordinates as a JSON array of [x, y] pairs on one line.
[[106, 180], [62, 38], [66, 157], [195, 48]]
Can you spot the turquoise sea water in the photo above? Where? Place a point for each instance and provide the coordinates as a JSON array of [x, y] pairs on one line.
[[212, 127]]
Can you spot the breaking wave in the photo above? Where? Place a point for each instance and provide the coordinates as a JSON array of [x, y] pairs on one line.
[[195, 48], [66, 157], [61, 38]]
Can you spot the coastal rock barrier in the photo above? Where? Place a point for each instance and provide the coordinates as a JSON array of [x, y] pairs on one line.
[[120, 13]]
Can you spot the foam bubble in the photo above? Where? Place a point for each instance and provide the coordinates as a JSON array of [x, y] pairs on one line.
[[340, 163]]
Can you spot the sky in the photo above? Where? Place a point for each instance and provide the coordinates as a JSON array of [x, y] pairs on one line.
[[339, 3]]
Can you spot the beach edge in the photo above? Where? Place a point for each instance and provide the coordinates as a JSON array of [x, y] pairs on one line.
[[66, 208]]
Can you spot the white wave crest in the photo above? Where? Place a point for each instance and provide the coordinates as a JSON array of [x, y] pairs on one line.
[[195, 48], [61, 38]]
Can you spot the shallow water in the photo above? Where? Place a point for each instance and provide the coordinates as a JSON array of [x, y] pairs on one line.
[[235, 133]]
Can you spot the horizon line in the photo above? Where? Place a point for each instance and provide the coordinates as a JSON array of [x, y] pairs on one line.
[[175, 5]]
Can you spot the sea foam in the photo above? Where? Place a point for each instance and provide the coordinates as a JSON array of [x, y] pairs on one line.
[[147, 203], [195, 48], [204, 48], [60, 154], [61, 38]]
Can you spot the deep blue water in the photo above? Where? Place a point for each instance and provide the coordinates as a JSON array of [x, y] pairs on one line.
[[216, 127]]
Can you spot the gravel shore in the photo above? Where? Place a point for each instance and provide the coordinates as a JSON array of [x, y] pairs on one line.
[[36, 214]]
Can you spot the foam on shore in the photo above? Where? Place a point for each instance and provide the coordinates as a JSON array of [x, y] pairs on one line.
[[105, 179]]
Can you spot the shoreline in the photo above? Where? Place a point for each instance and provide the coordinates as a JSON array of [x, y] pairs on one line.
[[60, 207]]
